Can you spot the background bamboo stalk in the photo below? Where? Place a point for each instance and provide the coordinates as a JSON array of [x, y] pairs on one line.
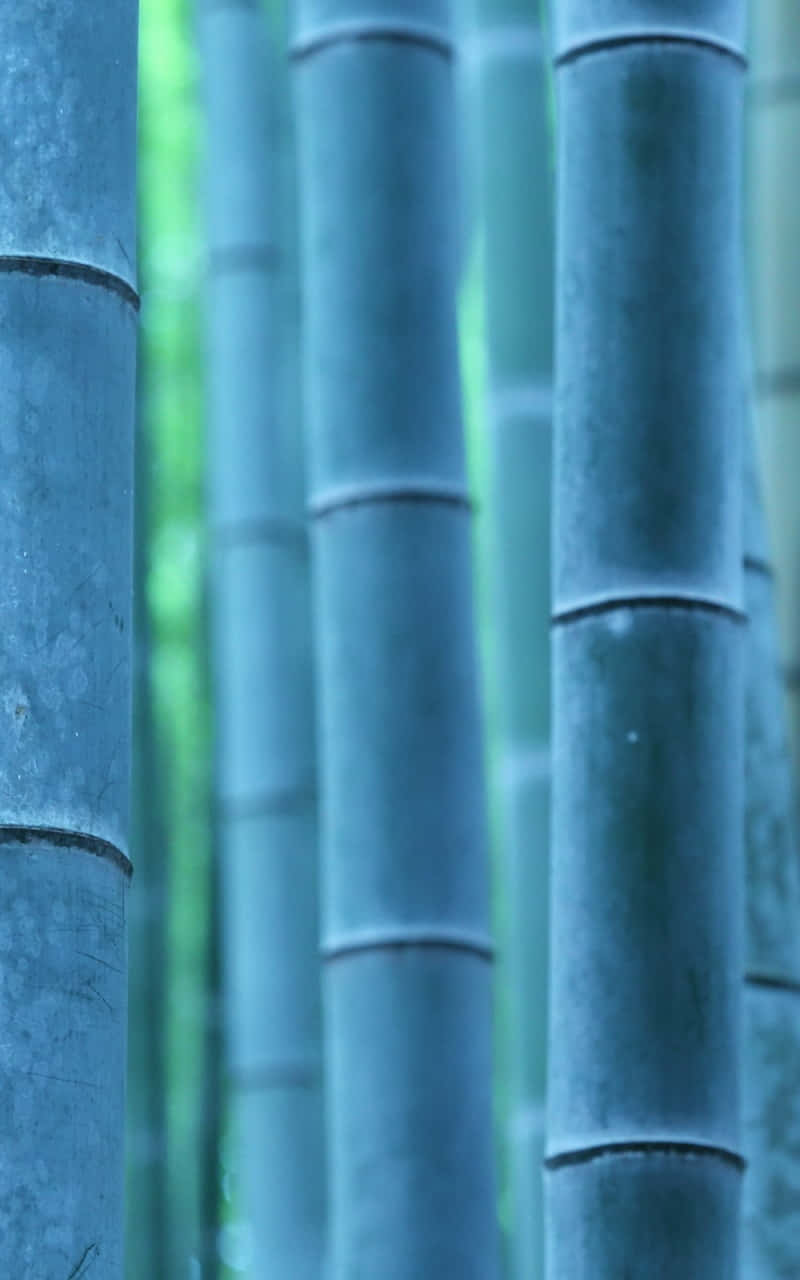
[[146, 1225], [67, 354], [771, 1061], [511, 67], [262, 658], [405, 894], [644, 1169], [774, 259]]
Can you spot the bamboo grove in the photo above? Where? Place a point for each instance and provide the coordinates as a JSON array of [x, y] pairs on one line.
[[398, 654]]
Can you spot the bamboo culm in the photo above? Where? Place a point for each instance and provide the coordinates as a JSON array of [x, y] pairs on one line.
[[146, 1218], [406, 945], [771, 1045], [773, 206], [262, 642], [644, 1166], [67, 354], [511, 63]]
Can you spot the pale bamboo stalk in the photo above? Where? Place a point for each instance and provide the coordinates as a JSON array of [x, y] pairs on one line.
[[67, 354], [510, 58], [771, 1058], [771, 1237], [262, 642]]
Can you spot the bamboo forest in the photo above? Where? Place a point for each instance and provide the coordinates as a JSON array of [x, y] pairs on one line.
[[400, 640]]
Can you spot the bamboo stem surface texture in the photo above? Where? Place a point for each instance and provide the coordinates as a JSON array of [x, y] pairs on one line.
[[644, 1167], [67, 353], [264, 704], [406, 941], [511, 66]]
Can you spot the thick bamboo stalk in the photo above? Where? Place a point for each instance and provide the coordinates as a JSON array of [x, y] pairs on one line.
[[644, 1167], [67, 355], [405, 895], [517, 212], [771, 1060], [263, 665]]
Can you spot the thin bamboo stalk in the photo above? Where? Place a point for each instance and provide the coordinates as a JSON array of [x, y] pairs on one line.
[[67, 355], [404, 891], [771, 1060], [146, 1251], [774, 259], [644, 1168], [517, 214], [263, 663]]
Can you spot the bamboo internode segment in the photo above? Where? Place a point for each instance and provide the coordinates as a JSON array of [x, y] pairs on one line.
[[67, 353], [408, 1027], [263, 676], [644, 1170]]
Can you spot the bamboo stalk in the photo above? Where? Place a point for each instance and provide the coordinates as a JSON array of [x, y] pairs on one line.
[[67, 353], [263, 663], [771, 1061], [404, 892], [517, 213], [146, 1242], [644, 1167]]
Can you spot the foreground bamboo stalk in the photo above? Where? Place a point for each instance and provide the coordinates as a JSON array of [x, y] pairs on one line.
[[405, 895], [67, 352], [644, 1167], [262, 652]]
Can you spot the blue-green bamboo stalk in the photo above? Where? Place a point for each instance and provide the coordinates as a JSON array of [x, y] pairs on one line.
[[771, 1060], [405, 896], [67, 357], [146, 1133], [773, 202], [644, 1169], [517, 216], [263, 664]]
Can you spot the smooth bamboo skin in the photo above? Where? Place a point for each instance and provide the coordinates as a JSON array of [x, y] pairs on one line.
[[262, 647], [644, 1171], [146, 1120], [67, 353], [774, 260], [405, 873], [516, 187], [771, 1058]]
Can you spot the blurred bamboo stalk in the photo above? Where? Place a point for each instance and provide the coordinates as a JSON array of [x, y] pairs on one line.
[[146, 1226], [510, 57], [771, 1236], [263, 676]]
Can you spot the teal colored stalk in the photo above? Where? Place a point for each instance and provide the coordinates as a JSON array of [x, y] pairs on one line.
[[146, 1134], [644, 1168], [773, 203], [262, 643], [67, 389], [771, 1239], [517, 214], [771, 1060], [407, 979]]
